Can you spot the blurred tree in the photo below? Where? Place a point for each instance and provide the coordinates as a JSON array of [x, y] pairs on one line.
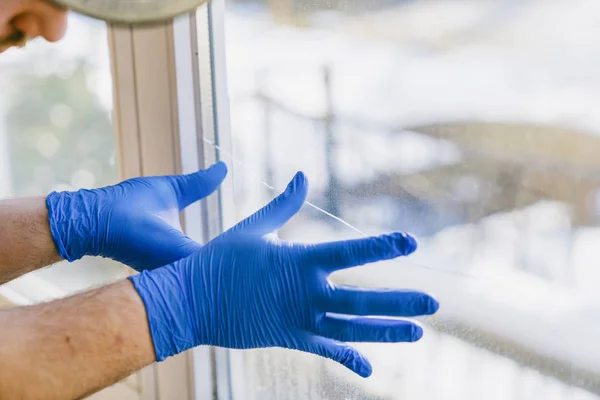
[[59, 133]]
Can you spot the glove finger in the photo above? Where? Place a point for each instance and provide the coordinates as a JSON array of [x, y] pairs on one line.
[[193, 187], [362, 329], [338, 352], [384, 302], [275, 214], [333, 256]]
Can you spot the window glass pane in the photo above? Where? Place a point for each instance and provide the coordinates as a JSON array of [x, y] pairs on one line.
[[473, 125], [56, 134]]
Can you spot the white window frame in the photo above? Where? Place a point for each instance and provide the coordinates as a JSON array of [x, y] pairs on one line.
[[165, 79], [147, 128]]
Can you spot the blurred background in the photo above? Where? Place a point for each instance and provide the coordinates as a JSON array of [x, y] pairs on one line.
[[472, 124]]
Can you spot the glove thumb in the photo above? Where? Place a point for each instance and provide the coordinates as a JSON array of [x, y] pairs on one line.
[[198, 185]]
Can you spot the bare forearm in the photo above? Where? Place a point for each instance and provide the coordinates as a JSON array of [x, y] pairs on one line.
[[25, 240], [73, 347]]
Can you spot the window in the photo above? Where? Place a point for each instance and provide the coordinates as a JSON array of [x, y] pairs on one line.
[[471, 124]]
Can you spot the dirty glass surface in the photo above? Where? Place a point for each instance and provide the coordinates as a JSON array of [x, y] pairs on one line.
[[56, 134], [472, 124]]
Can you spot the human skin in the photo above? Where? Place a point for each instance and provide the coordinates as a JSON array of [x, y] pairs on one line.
[[73, 347], [29, 19], [25, 240]]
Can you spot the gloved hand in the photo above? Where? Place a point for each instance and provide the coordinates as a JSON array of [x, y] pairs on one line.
[[135, 222], [248, 289]]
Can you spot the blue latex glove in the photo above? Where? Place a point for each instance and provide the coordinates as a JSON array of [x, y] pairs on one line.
[[248, 289], [135, 222]]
